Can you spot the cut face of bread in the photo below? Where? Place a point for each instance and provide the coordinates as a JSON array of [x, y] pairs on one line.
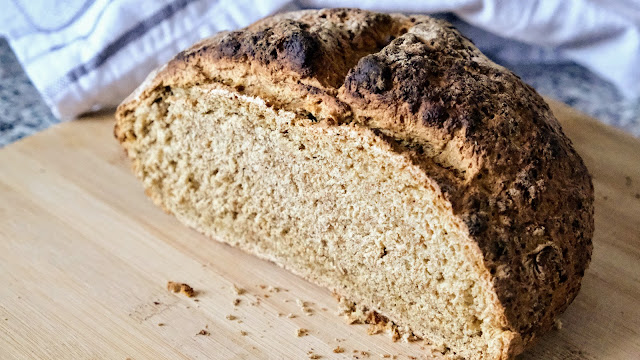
[[334, 204], [430, 203]]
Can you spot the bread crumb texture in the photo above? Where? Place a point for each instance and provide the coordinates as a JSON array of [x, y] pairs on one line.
[[382, 157], [181, 288]]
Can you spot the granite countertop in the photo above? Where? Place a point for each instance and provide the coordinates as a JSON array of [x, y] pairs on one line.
[[23, 111]]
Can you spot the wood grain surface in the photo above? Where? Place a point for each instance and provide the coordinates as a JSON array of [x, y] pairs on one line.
[[85, 258]]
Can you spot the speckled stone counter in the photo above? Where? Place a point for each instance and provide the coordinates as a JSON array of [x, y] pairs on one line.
[[23, 111]]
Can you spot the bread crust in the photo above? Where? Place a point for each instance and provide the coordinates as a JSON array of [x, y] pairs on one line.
[[488, 139]]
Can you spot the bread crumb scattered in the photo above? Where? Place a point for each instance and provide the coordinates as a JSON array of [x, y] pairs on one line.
[[243, 333], [386, 356], [236, 302], [301, 332], [238, 290], [314, 356], [160, 324], [230, 317], [338, 350], [305, 307], [182, 288], [156, 303], [203, 332], [262, 286], [557, 324], [280, 314], [291, 316]]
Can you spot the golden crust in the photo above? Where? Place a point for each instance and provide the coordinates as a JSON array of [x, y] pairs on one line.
[[484, 136]]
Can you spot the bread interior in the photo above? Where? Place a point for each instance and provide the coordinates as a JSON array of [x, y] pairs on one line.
[[332, 203]]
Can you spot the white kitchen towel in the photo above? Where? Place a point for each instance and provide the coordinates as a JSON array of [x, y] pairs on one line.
[[83, 55]]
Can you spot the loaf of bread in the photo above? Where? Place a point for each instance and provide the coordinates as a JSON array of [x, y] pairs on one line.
[[381, 156]]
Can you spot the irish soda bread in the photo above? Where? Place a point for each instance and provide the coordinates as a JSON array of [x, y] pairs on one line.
[[381, 156]]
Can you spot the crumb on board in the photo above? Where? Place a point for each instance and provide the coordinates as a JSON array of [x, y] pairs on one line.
[[338, 350], [238, 290], [160, 324], [305, 307], [156, 303], [412, 357], [557, 324], [262, 286], [627, 180], [386, 356], [301, 332], [203, 332], [236, 302], [182, 288], [291, 316], [243, 333], [314, 356], [273, 289], [230, 317]]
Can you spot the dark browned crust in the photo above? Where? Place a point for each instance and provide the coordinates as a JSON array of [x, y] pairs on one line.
[[488, 139], [302, 47]]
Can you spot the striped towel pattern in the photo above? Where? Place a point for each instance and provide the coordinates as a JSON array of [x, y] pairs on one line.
[[92, 53]]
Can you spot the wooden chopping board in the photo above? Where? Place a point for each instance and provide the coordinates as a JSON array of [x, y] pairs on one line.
[[85, 258]]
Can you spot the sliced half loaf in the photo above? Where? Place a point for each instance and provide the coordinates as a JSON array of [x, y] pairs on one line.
[[381, 156]]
